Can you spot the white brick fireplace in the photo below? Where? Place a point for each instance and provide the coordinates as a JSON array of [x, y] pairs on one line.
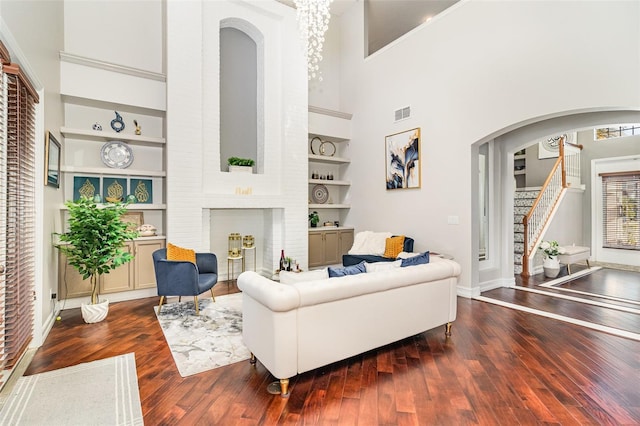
[[205, 204]]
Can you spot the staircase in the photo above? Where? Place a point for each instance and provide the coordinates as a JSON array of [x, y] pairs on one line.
[[534, 209], [522, 202]]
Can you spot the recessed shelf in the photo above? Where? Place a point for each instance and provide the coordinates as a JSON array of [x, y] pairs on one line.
[[329, 206], [136, 207], [107, 136], [107, 171], [519, 172], [329, 182], [329, 160]]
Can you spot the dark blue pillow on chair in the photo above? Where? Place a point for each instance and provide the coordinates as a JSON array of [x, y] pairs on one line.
[[416, 260], [347, 270]]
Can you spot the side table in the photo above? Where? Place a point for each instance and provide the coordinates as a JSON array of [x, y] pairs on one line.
[[231, 266], [244, 255]]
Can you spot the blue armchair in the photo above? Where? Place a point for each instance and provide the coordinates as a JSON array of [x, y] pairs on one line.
[[181, 278]]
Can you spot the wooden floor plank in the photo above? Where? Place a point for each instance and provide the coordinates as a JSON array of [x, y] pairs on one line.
[[500, 366]]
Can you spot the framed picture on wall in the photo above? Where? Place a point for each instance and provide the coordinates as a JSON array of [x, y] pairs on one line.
[[142, 189], [402, 159], [85, 186], [51, 161]]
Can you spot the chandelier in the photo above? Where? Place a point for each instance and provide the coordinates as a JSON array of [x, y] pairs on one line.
[[313, 21]]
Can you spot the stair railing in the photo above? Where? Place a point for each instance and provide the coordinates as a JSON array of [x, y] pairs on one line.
[[565, 172]]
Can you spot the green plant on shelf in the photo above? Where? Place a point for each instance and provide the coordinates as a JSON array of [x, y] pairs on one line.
[[237, 161]]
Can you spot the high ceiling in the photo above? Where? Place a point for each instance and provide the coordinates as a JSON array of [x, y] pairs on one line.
[[389, 19]]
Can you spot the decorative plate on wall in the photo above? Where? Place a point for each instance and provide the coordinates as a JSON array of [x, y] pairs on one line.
[[116, 154], [320, 194]]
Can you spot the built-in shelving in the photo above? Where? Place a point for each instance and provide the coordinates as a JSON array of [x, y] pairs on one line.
[[329, 206], [328, 160], [136, 207], [107, 171], [329, 182], [108, 136]]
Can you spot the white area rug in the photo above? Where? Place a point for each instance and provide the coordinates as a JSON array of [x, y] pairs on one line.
[[211, 340], [103, 392]]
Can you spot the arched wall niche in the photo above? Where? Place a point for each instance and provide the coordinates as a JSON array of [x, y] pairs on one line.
[[241, 92]]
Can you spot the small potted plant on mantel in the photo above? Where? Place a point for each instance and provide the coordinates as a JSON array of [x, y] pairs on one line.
[[237, 164], [94, 245]]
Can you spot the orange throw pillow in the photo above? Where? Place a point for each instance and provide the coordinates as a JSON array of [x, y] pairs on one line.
[[393, 246], [179, 253]]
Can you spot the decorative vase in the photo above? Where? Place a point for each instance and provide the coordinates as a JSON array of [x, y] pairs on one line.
[[551, 266], [95, 313]]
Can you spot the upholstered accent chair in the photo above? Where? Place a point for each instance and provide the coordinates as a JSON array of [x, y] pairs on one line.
[[184, 278]]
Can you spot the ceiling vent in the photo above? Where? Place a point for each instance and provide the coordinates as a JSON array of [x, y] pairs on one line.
[[402, 113]]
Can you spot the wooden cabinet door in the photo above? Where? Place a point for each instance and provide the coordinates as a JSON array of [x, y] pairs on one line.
[[119, 279], [331, 248], [316, 249], [346, 242], [70, 283], [145, 276]]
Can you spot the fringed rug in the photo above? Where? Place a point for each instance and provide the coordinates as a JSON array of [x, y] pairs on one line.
[[211, 340], [103, 392]]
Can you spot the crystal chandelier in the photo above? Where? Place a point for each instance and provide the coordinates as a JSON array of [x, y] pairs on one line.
[[313, 21]]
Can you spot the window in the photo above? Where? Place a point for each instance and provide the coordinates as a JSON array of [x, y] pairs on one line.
[[617, 131], [621, 206], [17, 216]]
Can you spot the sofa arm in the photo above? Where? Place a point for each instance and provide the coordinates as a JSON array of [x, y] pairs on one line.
[[275, 296]]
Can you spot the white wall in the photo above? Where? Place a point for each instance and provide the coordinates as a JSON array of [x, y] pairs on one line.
[[122, 32], [478, 70], [195, 183]]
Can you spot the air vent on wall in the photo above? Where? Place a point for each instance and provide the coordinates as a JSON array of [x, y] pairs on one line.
[[402, 113]]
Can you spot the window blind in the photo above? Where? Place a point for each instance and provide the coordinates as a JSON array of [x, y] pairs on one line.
[[17, 212], [621, 207]]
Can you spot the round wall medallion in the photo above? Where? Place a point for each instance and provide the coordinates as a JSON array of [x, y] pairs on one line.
[[320, 194], [116, 154]]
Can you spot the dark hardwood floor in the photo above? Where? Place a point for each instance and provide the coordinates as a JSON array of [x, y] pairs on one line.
[[614, 294], [501, 366]]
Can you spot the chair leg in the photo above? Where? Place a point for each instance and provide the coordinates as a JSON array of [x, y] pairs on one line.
[[195, 301], [213, 297], [160, 305]]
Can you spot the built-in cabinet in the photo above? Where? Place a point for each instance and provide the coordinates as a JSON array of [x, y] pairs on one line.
[[135, 275], [114, 145], [326, 246]]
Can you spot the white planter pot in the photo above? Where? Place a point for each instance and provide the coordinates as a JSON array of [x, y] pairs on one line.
[[241, 169], [551, 266], [95, 313]]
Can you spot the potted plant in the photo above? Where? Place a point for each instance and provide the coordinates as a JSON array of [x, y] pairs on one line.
[[237, 164], [314, 219], [94, 245], [551, 264]]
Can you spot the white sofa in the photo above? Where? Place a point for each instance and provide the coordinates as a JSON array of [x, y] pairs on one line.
[[293, 328]]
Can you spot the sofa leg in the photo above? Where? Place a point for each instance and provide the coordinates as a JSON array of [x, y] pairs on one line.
[[195, 301], [447, 329], [252, 360], [160, 304], [284, 388]]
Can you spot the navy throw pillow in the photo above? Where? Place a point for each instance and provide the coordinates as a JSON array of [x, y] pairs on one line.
[[347, 270], [416, 260]]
